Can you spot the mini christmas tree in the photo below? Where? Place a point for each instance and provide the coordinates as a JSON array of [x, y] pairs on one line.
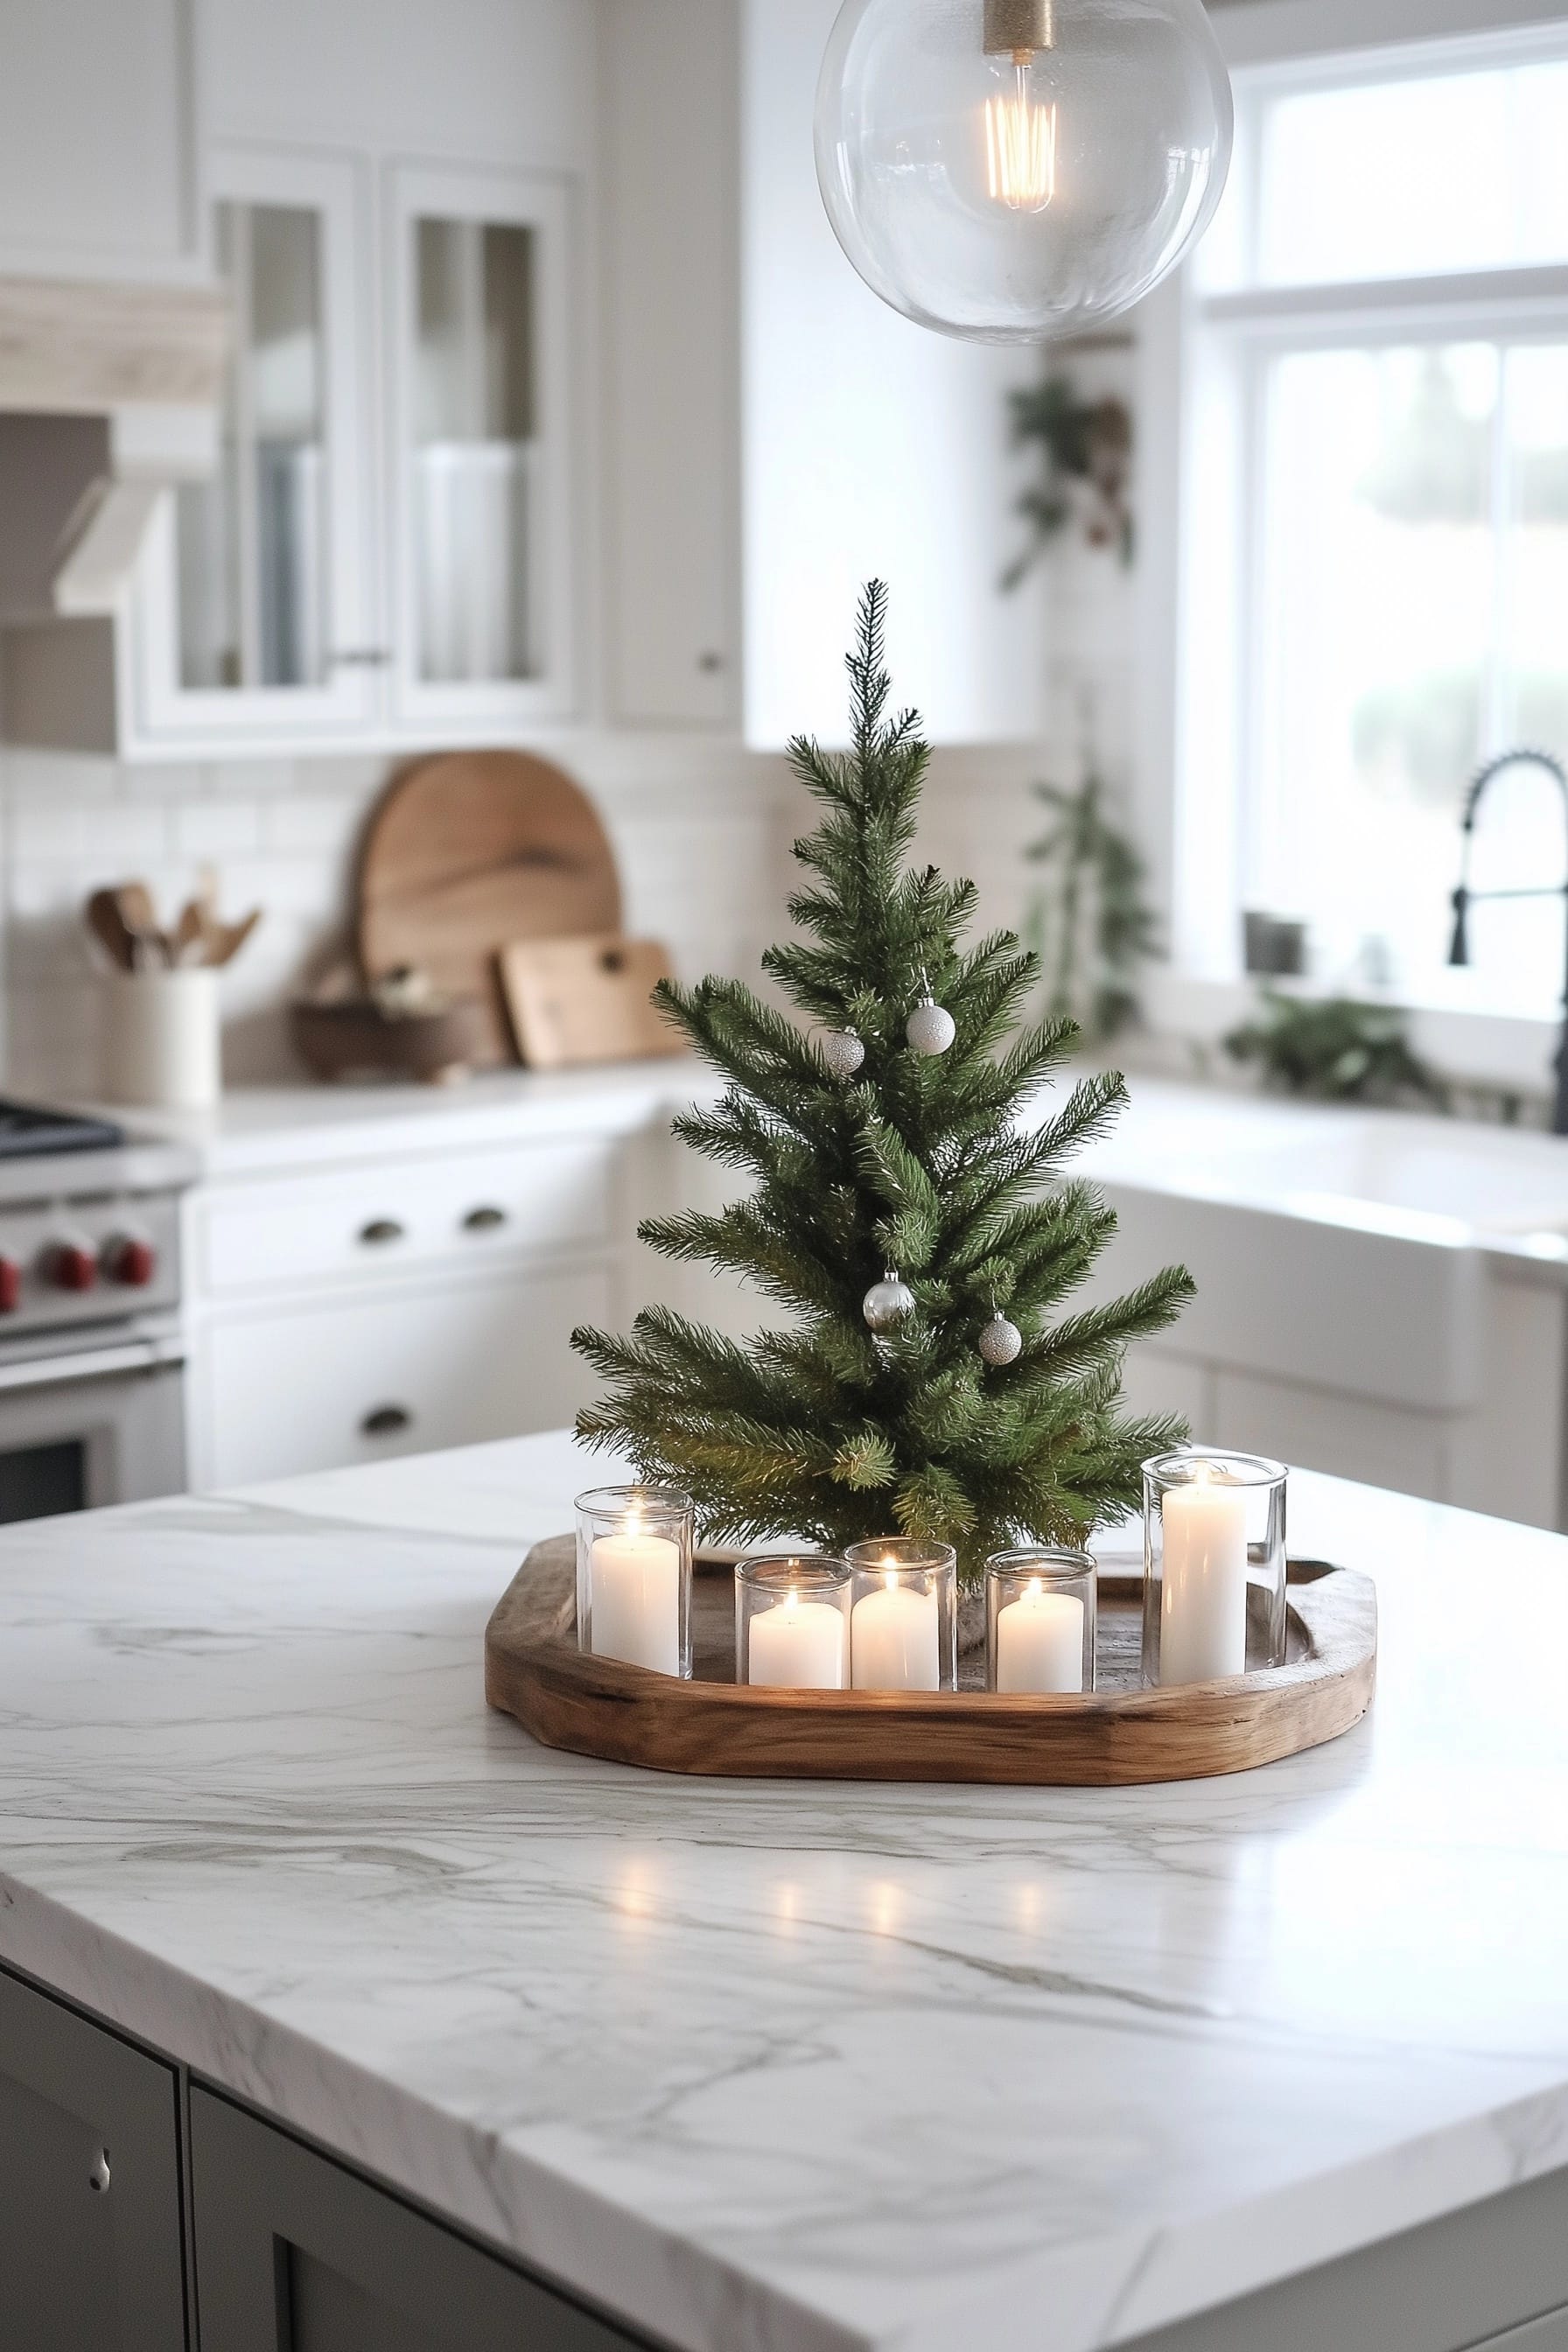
[[907, 1212]]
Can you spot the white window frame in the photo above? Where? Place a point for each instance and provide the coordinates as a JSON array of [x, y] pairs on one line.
[[1202, 360]]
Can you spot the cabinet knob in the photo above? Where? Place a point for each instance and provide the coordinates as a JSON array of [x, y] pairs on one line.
[[709, 663], [98, 2179], [380, 1230], [387, 1421], [361, 657], [483, 1221]]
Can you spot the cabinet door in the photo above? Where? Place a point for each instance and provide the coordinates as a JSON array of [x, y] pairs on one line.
[[358, 1379], [253, 615], [295, 2253], [672, 352], [1380, 1444], [481, 493], [99, 142], [89, 2186]]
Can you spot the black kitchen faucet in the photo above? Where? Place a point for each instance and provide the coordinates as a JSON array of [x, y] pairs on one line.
[[1465, 898]]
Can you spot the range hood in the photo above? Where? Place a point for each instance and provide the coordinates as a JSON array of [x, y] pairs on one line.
[[109, 395]]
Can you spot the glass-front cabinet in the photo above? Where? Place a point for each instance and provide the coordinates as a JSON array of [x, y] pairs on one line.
[[479, 493], [383, 552], [256, 611]]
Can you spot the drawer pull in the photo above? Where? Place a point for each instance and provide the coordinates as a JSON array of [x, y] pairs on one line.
[[98, 2179], [483, 1221], [387, 1421], [380, 1230]]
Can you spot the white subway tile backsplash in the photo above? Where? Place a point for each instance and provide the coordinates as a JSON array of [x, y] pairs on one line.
[[215, 829], [700, 829]]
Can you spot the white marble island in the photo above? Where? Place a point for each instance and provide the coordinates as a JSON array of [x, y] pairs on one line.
[[770, 2068]]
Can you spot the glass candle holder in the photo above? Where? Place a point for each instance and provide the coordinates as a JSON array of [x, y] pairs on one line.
[[1214, 1565], [634, 1577], [792, 1622], [1040, 1621], [903, 1624]]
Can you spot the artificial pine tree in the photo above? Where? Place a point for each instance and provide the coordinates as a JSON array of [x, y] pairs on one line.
[[879, 1161]]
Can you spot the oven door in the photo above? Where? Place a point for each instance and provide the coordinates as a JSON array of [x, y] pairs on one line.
[[97, 1425]]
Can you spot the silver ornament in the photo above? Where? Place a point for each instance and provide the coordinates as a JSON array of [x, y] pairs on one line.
[[930, 1029], [1001, 1342], [888, 1303], [842, 1051]]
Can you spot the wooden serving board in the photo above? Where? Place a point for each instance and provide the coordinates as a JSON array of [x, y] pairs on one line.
[[588, 1000], [1121, 1735], [467, 852]]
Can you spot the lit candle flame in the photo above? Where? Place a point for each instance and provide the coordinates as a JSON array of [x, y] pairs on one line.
[[1036, 1588], [791, 1598]]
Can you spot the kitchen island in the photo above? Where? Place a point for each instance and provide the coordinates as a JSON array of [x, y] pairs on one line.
[[753, 2068]]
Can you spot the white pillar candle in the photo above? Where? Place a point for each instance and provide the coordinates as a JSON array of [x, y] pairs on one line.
[[635, 1599], [1039, 1641], [797, 1645], [1203, 1598], [893, 1640]]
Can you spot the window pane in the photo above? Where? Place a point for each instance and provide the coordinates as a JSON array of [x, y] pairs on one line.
[[1414, 576], [476, 455], [252, 543], [1398, 179]]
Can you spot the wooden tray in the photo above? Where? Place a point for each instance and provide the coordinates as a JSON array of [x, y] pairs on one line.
[[1121, 1735]]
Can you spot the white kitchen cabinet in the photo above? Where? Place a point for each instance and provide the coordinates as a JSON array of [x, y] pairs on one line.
[[254, 615], [462, 1211], [672, 278], [406, 1371], [351, 1300], [480, 448], [100, 161]]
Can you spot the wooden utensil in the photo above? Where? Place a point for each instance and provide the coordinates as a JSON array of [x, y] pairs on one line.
[[109, 927], [149, 949], [586, 1000], [469, 851], [225, 939]]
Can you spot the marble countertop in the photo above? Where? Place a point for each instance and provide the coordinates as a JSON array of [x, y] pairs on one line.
[[785, 2067], [260, 1131]]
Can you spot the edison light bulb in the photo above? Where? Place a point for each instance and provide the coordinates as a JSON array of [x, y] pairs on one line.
[[1020, 146], [1009, 170]]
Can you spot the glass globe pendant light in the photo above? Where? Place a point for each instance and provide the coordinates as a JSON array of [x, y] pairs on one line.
[[1010, 169]]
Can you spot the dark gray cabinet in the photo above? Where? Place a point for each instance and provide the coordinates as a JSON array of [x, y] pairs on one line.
[[1492, 2277], [295, 2253], [90, 2249]]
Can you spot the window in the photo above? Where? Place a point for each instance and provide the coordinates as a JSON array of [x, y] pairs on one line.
[[1383, 366]]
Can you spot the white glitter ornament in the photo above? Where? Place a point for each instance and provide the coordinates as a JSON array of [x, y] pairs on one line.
[[930, 1029], [842, 1051], [888, 1303], [1001, 1342]]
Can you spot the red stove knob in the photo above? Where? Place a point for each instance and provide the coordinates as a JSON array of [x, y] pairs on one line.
[[131, 1261], [71, 1265], [10, 1286]]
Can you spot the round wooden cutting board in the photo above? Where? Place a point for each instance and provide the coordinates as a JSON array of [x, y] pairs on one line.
[[469, 851]]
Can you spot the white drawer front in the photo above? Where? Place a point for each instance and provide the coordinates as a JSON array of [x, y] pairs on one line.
[[316, 1388], [360, 1221]]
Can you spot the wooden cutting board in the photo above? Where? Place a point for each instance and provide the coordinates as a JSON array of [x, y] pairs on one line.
[[468, 852], [586, 1000]]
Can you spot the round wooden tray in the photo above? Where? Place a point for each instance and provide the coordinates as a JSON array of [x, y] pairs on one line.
[[1121, 1734]]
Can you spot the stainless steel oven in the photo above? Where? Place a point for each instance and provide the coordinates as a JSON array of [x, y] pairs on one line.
[[91, 1351]]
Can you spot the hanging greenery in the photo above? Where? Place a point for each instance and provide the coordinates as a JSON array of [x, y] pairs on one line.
[[1090, 924], [1085, 466]]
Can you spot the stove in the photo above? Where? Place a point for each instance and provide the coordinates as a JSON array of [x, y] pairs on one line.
[[28, 1130], [91, 1346]]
